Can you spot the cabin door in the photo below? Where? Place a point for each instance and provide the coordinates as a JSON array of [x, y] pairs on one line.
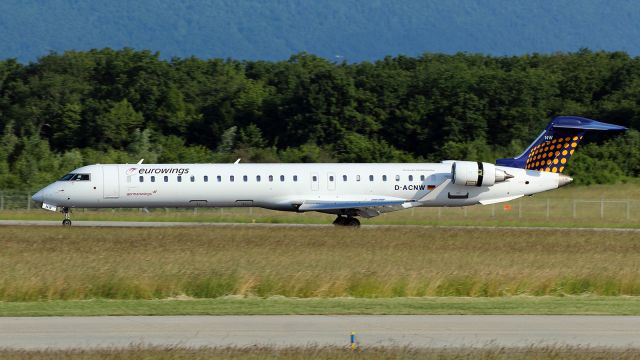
[[110, 182]]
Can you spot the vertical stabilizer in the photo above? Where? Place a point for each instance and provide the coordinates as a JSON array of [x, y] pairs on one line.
[[551, 150]]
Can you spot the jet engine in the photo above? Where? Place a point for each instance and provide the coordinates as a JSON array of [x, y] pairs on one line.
[[471, 173]]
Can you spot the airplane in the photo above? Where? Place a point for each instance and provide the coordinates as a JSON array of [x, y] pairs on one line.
[[345, 190]]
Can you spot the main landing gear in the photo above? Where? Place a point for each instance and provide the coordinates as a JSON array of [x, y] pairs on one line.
[[346, 221], [67, 220]]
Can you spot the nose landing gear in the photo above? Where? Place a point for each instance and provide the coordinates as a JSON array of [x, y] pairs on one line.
[[346, 221], [67, 220]]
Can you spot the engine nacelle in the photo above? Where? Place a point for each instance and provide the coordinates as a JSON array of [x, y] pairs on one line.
[[471, 173]]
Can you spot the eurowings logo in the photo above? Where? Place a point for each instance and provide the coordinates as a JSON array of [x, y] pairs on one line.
[[142, 171]]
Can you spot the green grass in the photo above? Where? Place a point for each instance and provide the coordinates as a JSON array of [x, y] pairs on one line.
[[329, 353], [624, 211], [521, 305], [55, 263]]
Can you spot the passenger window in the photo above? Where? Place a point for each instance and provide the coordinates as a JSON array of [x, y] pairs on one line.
[[357, 177], [179, 178], [397, 177], [219, 178], [141, 178], [344, 177], [384, 177], [153, 178], [315, 178], [193, 178], [410, 177], [281, 177], [421, 177], [245, 178], [270, 178], [295, 177], [206, 178], [258, 178], [166, 178], [331, 178], [370, 177], [231, 178]]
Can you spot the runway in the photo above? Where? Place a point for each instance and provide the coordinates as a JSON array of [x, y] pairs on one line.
[[434, 331], [281, 225]]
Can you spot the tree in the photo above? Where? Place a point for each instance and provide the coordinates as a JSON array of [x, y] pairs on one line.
[[115, 128]]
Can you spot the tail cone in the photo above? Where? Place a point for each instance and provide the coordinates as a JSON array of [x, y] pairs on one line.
[[564, 180]]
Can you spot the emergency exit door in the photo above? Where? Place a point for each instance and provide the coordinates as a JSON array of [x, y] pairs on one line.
[[331, 181]]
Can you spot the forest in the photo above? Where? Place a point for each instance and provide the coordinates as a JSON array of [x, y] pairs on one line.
[[119, 106]]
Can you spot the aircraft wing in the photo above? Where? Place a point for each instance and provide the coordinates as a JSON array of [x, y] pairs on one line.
[[365, 208]]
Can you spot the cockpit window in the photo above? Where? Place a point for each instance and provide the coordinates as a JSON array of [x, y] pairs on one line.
[[76, 177], [67, 177], [81, 177]]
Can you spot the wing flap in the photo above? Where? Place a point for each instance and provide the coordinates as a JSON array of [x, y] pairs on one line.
[[364, 208], [338, 205]]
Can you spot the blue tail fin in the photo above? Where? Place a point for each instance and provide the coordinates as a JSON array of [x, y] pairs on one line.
[[553, 148]]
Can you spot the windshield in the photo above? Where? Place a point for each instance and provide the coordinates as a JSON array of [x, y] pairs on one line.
[[67, 177], [76, 177]]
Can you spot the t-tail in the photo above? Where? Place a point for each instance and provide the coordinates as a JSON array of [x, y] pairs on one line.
[[551, 151]]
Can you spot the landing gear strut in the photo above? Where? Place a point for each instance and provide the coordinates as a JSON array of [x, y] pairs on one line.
[[346, 221], [67, 220]]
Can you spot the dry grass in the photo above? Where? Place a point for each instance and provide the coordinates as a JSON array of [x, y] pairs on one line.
[[259, 353], [133, 263]]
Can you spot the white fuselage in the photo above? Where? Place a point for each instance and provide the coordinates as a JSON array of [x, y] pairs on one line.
[[281, 186]]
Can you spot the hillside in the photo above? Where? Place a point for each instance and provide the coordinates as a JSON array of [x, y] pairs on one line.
[[349, 30]]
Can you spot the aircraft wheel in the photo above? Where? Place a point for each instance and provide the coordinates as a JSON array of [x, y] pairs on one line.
[[352, 222], [66, 222], [340, 221]]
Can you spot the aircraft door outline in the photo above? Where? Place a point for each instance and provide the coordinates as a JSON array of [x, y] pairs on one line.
[[331, 181], [110, 182]]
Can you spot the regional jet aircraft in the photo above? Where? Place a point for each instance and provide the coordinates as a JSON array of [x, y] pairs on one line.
[[345, 190]]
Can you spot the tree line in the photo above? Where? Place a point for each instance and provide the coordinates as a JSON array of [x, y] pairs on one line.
[[118, 106]]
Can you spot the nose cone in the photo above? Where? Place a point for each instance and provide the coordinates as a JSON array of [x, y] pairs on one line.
[[564, 180], [38, 197]]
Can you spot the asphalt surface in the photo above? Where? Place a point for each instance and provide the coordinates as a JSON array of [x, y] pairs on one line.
[[435, 331], [268, 225]]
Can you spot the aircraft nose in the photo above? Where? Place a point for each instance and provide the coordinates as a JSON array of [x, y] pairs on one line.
[[38, 197]]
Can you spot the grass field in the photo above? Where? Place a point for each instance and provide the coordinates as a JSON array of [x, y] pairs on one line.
[[554, 208], [51, 263], [319, 353], [513, 305]]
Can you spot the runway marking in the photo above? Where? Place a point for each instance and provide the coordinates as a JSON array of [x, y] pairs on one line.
[[434, 331], [282, 225]]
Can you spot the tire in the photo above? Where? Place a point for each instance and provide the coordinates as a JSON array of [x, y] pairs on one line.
[[352, 222], [66, 222]]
